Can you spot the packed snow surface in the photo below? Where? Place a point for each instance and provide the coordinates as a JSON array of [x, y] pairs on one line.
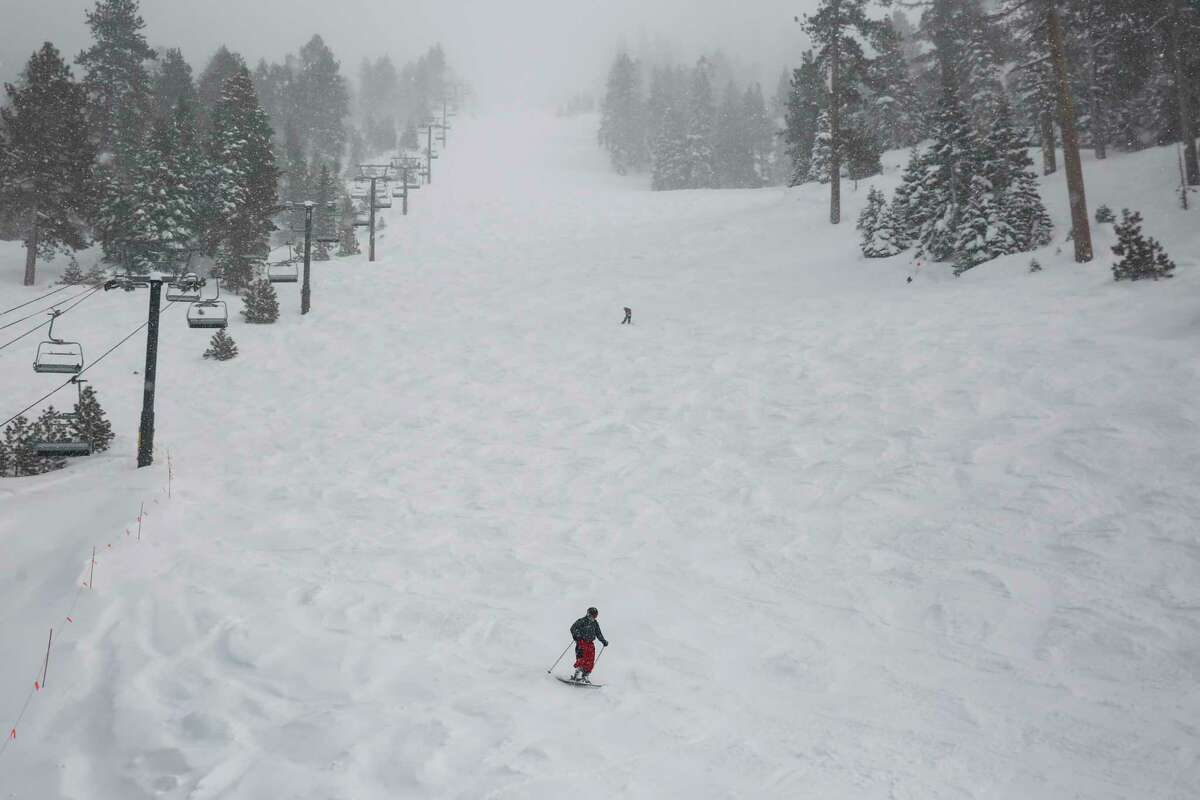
[[851, 537]]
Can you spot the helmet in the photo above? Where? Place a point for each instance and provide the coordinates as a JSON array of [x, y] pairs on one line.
[[593, 612]]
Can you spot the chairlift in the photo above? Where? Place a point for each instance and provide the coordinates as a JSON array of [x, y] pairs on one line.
[[63, 439], [209, 313], [283, 272], [185, 289], [57, 356]]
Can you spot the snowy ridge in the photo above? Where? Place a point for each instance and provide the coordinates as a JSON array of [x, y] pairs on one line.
[[850, 538]]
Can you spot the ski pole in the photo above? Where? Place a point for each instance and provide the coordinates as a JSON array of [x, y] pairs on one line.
[[597, 661], [560, 658]]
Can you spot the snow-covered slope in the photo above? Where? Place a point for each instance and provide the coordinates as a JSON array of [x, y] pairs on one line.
[[850, 537]]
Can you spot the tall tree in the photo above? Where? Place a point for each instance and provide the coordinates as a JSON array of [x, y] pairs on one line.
[[833, 29], [173, 83], [223, 65], [806, 100], [116, 77], [245, 178], [623, 116], [701, 120], [46, 158], [321, 100]]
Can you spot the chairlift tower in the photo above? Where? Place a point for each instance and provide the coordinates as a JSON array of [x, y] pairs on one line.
[[153, 281], [328, 237], [372, 174]]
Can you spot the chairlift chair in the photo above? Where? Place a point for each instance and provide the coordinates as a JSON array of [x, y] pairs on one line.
[[62, 439], [283, 272], [209, 313], [185, 289], [56, 356]]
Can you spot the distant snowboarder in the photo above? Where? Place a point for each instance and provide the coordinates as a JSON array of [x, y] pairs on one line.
[[585, 631], [628, 317]]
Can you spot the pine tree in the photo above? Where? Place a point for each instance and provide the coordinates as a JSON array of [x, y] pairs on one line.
[[821, 163], [210, 88], [622, 117], [701, 116], [73, 274], [1105, 215], [1142, 257], [348, 237], [46, 159], [868, 220], [863, 156], [733, 153], [1015, 191], [261, 304], [173, 83], [245, 178], [946, 188], [893, 105], [18, 438], [6, 459], [885, 241], [833, 27], [671, 162], [909, 211], [161, 197], [805, 103], [759, 131], [222, 347], [321, 101], [983, 232], [324, 222], [92, 424], [116, 78], [46, 429]]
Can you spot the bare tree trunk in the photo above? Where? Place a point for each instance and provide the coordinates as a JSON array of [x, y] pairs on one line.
[[1187, 129], [1081, 228], [835, 125], [1049, 143], [31, 249]]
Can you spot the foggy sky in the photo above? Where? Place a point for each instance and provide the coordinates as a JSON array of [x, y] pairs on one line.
[[512, 51]]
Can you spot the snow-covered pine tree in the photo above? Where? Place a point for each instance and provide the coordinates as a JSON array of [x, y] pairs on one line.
[[221, 347], [806, 100], [210, 87], [18, 437], [885, 241], [838, 28], [821, 163], [246, 180], [863, 157], [909, 213], [347, 235], [46, 159], [162, 207], [701, 116], [1015, 189], [946, 188], [173, 83], [622, 116], [296, 183], [260, 306], [116, 79], [73, 274], [759, 131], [671, 163], [92, 424], [321, 101], [1105, 215], [893, 106], [324, 218], [46, 429], [983, 232], [868, 220], [1142, 257], [6, 458]]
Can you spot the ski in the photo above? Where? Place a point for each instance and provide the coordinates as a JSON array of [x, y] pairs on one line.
[[570, 682]]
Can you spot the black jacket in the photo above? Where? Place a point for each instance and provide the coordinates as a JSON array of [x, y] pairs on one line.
[[587, 629]]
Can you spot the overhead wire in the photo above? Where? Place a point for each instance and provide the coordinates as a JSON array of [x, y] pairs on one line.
[[80, 298], [62, 288], [96, 361], [48, 308]]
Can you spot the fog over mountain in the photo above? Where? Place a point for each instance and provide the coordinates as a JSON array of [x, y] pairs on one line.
[[517, 52]]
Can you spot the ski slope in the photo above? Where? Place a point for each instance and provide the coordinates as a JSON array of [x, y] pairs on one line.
[[851, 538]]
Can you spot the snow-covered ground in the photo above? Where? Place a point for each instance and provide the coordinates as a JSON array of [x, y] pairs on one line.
[[851, 538]]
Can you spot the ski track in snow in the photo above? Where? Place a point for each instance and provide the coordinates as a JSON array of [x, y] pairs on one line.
[[849, 538]]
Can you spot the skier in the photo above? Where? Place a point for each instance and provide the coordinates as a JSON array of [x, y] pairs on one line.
[[627, 321], [585, 631]]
